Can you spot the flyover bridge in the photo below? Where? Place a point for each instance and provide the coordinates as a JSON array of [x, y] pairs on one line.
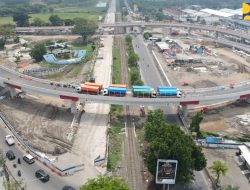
[[13, 80]]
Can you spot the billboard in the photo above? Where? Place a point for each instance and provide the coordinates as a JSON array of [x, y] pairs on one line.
[[246, 11], [166, 171]]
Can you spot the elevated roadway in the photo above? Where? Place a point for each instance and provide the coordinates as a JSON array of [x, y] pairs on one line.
[[31, 85], [211, 28]]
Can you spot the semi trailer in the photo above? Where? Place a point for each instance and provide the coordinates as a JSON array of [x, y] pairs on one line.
[[170, 91], [114, 91], [143, 91], [85, 89]]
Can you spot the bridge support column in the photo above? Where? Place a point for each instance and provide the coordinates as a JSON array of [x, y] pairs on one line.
[[216, 35], [189, 31], [128, 30], [73, 107], [184, 111], [242, 40], [170, 31], [12, 92]]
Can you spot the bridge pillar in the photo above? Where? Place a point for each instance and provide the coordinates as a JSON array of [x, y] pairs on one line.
[[12, 92], [170, 31], [248, 100], [216, 35], [242, 40], [189, 31], [73, 107]]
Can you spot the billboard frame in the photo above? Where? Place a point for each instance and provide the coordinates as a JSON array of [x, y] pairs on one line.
[[166, 181]]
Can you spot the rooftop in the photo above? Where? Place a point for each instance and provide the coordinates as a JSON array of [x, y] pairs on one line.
[[245, 153], [217, 13]]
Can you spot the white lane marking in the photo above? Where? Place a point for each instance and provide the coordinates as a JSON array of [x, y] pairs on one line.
[[126, 131], [166, 77], [134, 129]]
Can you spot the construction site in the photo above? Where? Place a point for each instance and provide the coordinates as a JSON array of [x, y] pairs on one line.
[[195, 62]]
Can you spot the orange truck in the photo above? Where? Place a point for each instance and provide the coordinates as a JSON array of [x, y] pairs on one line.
[[118, 85], [86, 89], [100, 86]]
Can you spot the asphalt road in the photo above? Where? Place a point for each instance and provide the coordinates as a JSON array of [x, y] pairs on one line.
[[151, 76], [28, 171]]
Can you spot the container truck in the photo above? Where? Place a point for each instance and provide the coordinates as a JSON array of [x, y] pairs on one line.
[[114, 91], [100, 86], [143, 91], [170, 91], [118, 85], [85, 89]]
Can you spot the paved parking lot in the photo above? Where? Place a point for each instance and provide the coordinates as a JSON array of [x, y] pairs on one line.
[[235, 175]]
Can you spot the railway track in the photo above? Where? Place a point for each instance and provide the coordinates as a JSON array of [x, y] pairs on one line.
[[134, 176]]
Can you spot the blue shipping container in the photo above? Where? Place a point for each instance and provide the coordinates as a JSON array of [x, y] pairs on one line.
[[141, 87], [113, 90], [167, 92]]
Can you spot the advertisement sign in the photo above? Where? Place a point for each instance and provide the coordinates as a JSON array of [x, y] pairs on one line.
[[166, 171]]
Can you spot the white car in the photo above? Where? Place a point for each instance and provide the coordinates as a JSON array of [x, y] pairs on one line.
[[9, 139]]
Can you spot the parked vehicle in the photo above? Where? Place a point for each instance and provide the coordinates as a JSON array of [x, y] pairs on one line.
[[40, 174], [118, 85], [29, 159], [114, 91], [100, 86], [10, 155], [169, 91], [85, 89], [68, 188], [9, 139], [143, 91]]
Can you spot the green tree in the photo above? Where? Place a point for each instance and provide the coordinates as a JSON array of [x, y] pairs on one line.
[[128, 39], [38, 51], [56, 20], [84, 28], [147, 35], [231, 187], [7, 30], [133, 58], [105, 183], [169, 142], [2, 43], [38, 22], [69, 22], [21, 19], [195, 124], [218, 169], [135, 77]]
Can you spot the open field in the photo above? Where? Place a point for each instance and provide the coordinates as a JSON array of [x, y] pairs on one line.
[[45, 16]]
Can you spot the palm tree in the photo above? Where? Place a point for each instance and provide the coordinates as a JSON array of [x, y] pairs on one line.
[[218, 168], [231, 187]]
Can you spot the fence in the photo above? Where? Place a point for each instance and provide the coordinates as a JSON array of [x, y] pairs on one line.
[[40, 156], [44, 71]]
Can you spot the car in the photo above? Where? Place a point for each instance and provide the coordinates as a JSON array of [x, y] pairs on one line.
[[68, 188], [10, 155], [42, 175], [29, 159], [9, 139]]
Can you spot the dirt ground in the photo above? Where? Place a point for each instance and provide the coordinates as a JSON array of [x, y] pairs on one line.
[[223, 120], [222, 66], [234, 175], [44, 123]]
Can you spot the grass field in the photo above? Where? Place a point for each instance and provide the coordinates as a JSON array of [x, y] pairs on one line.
[[45, 16]]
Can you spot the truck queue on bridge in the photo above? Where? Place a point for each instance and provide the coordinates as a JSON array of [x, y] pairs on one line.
[[122, 90]]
